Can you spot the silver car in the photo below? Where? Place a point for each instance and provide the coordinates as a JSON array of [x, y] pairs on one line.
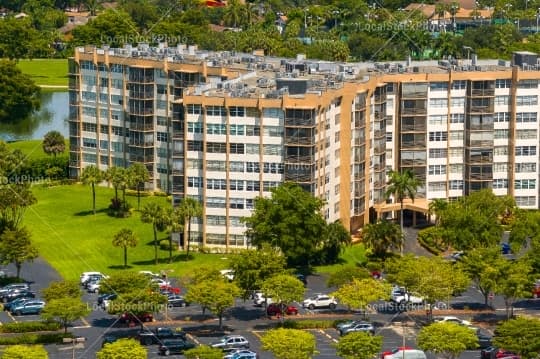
[[358, 327]]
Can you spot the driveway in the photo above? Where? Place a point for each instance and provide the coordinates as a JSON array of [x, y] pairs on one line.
[[38, 273]]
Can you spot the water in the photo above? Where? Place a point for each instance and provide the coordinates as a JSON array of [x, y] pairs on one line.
[[53, 115]]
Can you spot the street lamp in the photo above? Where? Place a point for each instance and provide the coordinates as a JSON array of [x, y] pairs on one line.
[[468, 49], [336, 14]]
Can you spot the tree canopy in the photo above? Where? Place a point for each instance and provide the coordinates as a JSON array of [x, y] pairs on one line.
[[513, 336], [19, 96], [447, 339], [53, 143], [123, 349], [359, 345], [289, 343], [25, 352], [65, 310], [359, 293]]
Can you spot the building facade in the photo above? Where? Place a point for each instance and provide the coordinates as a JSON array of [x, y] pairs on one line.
[[225, 128]]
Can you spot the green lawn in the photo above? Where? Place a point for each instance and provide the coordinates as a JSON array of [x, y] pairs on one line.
[[47, 72], [32, 148], [74, 240], [352, 255]]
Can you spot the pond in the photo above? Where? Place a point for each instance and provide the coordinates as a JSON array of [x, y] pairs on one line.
[[53, 115]]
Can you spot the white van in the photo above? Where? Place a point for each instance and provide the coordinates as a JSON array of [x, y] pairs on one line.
[[406, 354]]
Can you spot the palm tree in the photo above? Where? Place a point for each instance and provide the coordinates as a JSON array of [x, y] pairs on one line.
[[402, 185], [188, 209], [436, 206], [336, 237], [139, 175], [234, 14], [158, 216], [54, 143], [125, 238], [92, 175], [119, 177], [381, 236]]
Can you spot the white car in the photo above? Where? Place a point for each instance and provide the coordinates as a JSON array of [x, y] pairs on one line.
[[86, 275], [450, 319], [259, 299], [93, 287], [161, 282], [320, 301], [399, 295], [149, 274], [227, 274]]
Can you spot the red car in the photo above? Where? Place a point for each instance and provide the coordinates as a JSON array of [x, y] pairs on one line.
[[501, 353], [274, 309], [132, 318], [394, 351], [169, 289]]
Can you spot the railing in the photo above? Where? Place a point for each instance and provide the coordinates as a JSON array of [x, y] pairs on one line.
[[74, 164], [408, 95], [414, 128], [143, 112], [415, 162], [299, 141], [483, 92], [141, 143], [299, 159], [414, 144], [481, 109], [299, 122], [379, 150], [141, 126], [144, 159], [485, 143], [141, 95], [414, 111]]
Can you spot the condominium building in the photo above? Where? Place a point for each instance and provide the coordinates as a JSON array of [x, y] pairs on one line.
[[225, 128]]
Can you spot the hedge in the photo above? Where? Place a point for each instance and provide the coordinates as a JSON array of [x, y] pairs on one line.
[[50, 338], [311, 324], [25, 327], [430, 239]]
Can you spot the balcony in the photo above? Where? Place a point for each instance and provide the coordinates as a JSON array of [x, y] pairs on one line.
[[306, 141], [299, 159], [76, 164], [142, 159], [141, 95], [141, 126], [414, 94], [413, 111], [379, 150], [483, 92], [141, 143], [141, 112]]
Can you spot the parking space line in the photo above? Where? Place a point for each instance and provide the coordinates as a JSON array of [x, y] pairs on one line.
[[192, 338], [85, 322], [256, 334], [11, 316], [328, 335]]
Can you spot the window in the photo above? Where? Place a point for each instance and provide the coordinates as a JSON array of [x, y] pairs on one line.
[[236, 222], [455, 184], [268, 185], [103, 98], [118, 68], [273, 112], [527, 100], [216, 129], [194, 109], [236, 185], [195, 182], [215, 147], [273, 131], [253, 167], [194, 164], [336, 137], [215, 202], [194, 146], [501, 134], [215, 111], [161, 121], [89, 142], [87, 65], [456, 168], [161, 89], [104, 145], [438, 153], [275, 150], [457, 102], [526, 117], [459, 85], [252, 149], [215, 183], [457, 118], [527, 84], [436, 186], [501, 117], [89, 127], [273, 168], [503, 83], [253, 186], [237, 203], [525, 184], [389, 136], [249, 203], [500, 151], [502, 100], [455, 152], [237, 148], [456, 135], [336, 189], [438, 136], [437, 120], [236, 166], [526, 134], [253, 130], [195, 127], [216, 220], [438, 103], [237, 130], [235, 111], [526, 167], [88, 96], [438, 86], [161, 136], [118, 131], [218, 166], [437, 169], [525, 200], [500, 183], [525, 151], [500, 167]]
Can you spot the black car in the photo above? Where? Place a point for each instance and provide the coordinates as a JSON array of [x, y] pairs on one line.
[[10, 287], [174, 346], [108, 339], [16, 294], [488, 352], [103, 297], [176, 300], [484, 340], [301, 278]]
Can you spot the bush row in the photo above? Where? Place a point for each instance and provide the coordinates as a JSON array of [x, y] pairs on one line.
[[25, 327], [50, 338], [310, 324], [430, 239], [40, 169]]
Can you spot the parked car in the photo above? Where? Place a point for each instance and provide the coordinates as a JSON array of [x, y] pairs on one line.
[[401, 296], [92, 279], [358, 327], [301, 278], [154, 336], [450, 319], [149, 274], [108, 339], [15, 302], [259, 299], [105, 299], [142, 317], [406, 354], [393, 351], [174, 346], [536, 290], [496, 353], [488, 352], [320, 301], [505, 248], [175, 300], [6, 289], [484, 340], [241, 354], [160, 282], [29, 307], [231, 342], [93, 287], [16, 294], [227, 274], [276, 309], [86, 276], [169, 289]]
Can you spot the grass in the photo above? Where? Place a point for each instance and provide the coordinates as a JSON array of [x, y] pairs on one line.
[[352, 255], [73, 240], [32, 148], [46, 72]]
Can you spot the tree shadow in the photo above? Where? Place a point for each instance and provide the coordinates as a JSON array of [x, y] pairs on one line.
[[90, 212], [120, 266], [164, 260], [209, 330], [246, 314]]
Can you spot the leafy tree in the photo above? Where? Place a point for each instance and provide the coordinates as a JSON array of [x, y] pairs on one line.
[[15, 198], [126, 282], [65, 310], [139, 175], [520, 335], [159, 217], [125, 238], [515, 283], [447, 339], [25, 352], [216, 296], [438, 204], [202, 274], [111, 27], [54, 143], [189, 208], [382, 236], [92, 175], [283, 289], [485, 268], [17, 248], [360, 292], [290, 220], [432, 278], [359, 345], [62, 289], [118, 177], [123, 349], [335, 238], [19, 96], [402, 185], [289, 343], [345, 275], [203, 352], [253, 267]]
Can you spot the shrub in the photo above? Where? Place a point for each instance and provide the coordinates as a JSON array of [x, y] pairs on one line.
[[160, 194], [431, 240], [51, 338], [164, 244], [310, 324], [25, 327], [133, 193]]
